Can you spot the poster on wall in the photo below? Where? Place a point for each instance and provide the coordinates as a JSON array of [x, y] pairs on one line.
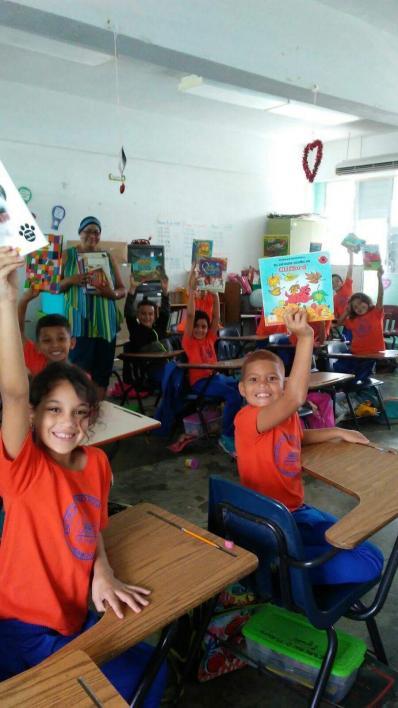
[[18, 227], [291, 282]]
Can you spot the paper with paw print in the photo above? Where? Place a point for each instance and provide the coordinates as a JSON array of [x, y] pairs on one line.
[[18, 228], [289, 283]]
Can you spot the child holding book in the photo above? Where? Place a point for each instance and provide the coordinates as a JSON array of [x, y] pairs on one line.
[[55, 493], [365, 322], [268, 438], [198, 343]]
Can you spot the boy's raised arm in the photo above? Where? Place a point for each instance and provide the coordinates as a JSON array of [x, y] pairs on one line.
[[14, 385], [296, 388]]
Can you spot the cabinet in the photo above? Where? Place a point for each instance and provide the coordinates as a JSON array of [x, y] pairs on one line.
[[286, 235]]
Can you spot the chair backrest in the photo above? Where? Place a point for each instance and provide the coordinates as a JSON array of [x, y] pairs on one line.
[[333, 347], [267, 528], [227, 350], [229, 332], [276, 338], [390, 318]]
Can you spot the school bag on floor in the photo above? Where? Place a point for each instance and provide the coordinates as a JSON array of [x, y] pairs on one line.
[[323, 415]]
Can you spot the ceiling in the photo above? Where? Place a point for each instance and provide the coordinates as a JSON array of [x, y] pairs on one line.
[[148, 75]]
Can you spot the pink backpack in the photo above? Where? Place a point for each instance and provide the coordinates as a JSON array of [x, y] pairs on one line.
[[323, 416]]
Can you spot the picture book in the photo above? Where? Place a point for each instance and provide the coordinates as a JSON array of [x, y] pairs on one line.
[[276, 246], [371, 257], [212, 273], [96, 266], [147, 267], [18, 227], [201, 249], [352, 242], [292, 282], [43, 267]]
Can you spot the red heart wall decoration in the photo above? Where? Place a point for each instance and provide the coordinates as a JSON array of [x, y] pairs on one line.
[[318, 146]]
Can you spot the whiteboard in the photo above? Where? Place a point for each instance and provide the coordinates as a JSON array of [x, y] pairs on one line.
[[177, 235]]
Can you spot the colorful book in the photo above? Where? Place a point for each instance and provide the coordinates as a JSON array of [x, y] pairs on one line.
[[352, 242], [18, 227], [292, 282], [276, 246], [147, 268], [371, 257], [43, 267], [212, 273], [201, 249], [96, 266]]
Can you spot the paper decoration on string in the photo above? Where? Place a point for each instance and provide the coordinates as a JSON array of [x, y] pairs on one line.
[[291, 282], [25, 193], [43, 267], [212, 273], [18, 227], [96, 266], [57, 214], [318, 146], [201, 249]]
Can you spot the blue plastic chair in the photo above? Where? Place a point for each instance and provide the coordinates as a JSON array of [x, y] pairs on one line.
[[267, 528]]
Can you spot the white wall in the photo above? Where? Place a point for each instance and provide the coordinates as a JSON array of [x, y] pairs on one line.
[[63, 148]]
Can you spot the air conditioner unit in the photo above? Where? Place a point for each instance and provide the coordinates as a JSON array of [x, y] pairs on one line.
[[379, 163]]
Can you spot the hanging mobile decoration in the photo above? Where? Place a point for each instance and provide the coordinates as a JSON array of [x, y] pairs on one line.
[[317, 145], [123, 158]]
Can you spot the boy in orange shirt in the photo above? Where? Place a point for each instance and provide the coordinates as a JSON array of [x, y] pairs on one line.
[[53, 339], [268, 439]]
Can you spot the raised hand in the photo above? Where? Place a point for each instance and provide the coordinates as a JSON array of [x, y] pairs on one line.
[[10, 261]]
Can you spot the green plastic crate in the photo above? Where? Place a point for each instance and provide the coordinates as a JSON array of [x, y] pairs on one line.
[[289, 645]]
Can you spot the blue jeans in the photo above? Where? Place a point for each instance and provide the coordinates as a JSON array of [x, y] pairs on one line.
[[358, 565], [24, 645], [226, 388], [361, 368], [95, 355]]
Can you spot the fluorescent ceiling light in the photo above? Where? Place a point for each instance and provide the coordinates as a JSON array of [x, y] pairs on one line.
[[51, 47], [313, 114], [228, 94]]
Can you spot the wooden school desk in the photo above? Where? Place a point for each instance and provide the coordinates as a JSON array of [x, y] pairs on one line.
[[224, 365], [327, 379], [69, 680], [150, 356], [365, 472], [378, 356], [116, 423]]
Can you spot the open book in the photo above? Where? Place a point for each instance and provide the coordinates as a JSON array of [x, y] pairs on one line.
[[97, 267]]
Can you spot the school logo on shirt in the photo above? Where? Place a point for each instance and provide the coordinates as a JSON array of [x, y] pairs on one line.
[[80, 534], [364, 328], [287, 455], [206, 352]]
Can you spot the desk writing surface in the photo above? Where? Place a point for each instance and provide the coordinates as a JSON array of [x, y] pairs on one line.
[[151, 356], [116, 423], [379, 356], [323, 379], [181, 571], [56, 684], [217, 366], [364, 472]]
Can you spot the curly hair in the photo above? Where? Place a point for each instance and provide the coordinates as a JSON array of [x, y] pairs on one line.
[[362, 298], [43, 383]]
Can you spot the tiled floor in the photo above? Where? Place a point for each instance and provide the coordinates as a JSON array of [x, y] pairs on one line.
[[146, 471]]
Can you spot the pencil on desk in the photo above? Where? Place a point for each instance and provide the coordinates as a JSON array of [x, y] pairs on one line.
[[193, 534]]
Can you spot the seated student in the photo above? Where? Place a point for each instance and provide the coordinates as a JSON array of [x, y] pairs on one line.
[[146, 327], [342, 293], [53, 338], [268, 439], [56, 495], [365, 321], [198, 343]]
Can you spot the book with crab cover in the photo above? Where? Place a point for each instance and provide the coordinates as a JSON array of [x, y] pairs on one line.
[[18, 227], [292, 282], [43, 267]]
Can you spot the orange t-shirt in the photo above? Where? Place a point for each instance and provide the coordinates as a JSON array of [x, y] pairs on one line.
[[53, 517], [270, 462], [35, 361], [367, 332], [205, 304], [341, 298], [264, 330], [199, 351]]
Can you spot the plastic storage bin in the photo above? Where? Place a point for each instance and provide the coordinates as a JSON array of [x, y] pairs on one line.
[[289, 645], [193, 426]]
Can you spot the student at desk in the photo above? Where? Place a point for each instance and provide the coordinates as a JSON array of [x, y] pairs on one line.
[[55, 493], [198, 342], [268, 439], [342, 293]]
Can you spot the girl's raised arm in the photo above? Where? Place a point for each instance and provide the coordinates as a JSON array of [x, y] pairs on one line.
[[380, 292], [215, 322], [14, 385]]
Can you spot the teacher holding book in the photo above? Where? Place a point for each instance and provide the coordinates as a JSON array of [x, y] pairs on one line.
[[91, 310]]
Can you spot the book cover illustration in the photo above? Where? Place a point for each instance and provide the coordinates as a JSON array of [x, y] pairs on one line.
[[212, 273], [43, 267], [371, 257], [276, 246], [18, 227], [96, 266], [201, 249], [291, 282], [147, 268], [352, 242]]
